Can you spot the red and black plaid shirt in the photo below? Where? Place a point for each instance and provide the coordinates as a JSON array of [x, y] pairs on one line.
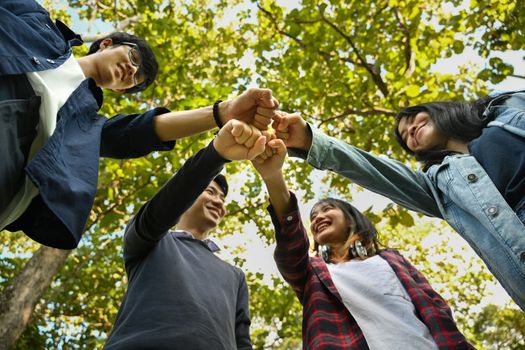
[[327, 323]]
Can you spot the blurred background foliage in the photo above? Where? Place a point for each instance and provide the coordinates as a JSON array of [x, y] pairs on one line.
[[347, 66]]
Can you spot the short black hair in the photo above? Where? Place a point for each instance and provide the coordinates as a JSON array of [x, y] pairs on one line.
[[149, 66], [223, 184]]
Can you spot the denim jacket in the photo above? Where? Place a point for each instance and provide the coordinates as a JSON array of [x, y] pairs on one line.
[[457, 190]]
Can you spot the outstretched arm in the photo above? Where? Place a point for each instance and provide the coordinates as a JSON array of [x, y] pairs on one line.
[[270, 168], [255, 106], [392, 179], [163, 211], [291, 252]]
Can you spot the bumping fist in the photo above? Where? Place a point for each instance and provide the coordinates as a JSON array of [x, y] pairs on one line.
[[238, 140], [255, 106], [293, 130]]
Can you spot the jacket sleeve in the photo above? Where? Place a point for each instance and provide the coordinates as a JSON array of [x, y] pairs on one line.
[[291, 251], [242, 317], [163, 211], [132, 135], [392, 179]]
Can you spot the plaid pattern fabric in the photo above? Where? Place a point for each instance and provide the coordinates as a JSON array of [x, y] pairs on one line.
[[327, 324]]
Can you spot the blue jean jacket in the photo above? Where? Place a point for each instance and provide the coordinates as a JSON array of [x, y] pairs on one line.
[[65, 170], [457, 190]]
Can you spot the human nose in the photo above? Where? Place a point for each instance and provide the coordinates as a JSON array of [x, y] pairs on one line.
[[217, 201], [411, 130], [316, 219], [132, 69]]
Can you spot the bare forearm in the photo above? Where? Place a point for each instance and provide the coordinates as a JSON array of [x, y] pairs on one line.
[[175, 125]]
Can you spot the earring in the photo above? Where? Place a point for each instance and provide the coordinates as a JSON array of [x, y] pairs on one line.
[[325, 253], [358, 250]]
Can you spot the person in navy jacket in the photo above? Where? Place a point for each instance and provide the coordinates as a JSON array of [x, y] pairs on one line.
[[51, 134]]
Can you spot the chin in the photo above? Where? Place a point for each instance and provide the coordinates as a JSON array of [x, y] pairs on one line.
[[211, 222], [319, 239]]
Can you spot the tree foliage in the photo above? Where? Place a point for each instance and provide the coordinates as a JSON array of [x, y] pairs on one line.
[[347, 66]]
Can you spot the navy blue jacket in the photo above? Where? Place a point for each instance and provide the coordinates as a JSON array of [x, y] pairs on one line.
[[65, 170]]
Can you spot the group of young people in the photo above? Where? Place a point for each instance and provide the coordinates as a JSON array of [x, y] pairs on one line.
[[180, 295]]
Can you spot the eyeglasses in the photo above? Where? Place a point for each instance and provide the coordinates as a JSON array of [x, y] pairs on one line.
[[135, 57]]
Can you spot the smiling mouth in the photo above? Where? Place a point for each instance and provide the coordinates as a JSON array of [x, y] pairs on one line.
[[320, 227], [416, 138], [215, 211]]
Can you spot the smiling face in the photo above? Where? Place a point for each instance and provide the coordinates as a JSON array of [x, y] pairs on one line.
[[208, 210], [328, 224], [115, 66], [420, 134]]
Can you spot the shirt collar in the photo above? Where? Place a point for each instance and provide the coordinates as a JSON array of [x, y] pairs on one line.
[[73, 38], [212, 246]]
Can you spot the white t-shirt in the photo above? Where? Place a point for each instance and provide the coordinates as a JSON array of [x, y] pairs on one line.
[[382, 308], [54, 86]]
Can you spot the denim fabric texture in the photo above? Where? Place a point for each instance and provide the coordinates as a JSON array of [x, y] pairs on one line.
[[65, 170], [457, 190]]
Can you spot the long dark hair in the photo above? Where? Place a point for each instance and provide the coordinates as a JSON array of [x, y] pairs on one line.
[[361, 228], [463, 121]]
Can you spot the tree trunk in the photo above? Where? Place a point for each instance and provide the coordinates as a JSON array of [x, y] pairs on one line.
[[19, 299]]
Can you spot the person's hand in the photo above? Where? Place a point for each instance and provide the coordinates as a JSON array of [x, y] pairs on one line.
[[292, 129], [269, 164], [237, 140], [255, 106]]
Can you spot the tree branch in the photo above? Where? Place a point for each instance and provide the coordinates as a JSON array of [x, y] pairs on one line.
[[516, 76], [300, 42], [364, 112], [89, 38], [372, 69], [409, 55]]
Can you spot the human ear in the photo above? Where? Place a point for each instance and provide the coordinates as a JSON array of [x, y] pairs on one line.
[[105, 43]]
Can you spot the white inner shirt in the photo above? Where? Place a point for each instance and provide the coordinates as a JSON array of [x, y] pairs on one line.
[[382, 308], [54, 86]]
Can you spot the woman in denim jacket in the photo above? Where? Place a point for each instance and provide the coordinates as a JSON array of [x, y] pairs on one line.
[[460, 188]]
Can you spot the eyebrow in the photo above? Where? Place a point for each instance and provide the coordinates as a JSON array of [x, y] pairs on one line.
[[217, 191], [320, 207], [402, 134]]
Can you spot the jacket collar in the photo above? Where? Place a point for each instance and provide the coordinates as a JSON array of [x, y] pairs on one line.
[[70, 36], [320, 269]]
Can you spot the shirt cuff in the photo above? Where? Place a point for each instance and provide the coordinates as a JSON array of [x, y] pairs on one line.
[[156, 142], [214, 156], [321, 144], [291, 219]]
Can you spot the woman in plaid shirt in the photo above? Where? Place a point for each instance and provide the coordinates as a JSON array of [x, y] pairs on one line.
[[354, 295]]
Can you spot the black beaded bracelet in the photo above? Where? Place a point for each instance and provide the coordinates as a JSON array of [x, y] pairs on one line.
[[216, 116]]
